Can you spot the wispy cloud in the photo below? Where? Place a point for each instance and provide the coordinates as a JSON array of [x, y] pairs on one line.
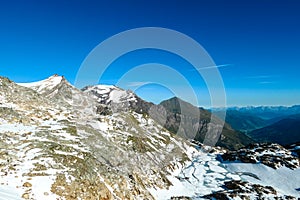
[[212, 67], [261, 77], [108, 81], [137, 84], [266, 82]]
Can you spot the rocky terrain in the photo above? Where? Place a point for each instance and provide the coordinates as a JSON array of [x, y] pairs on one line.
[[81, 154], [294, 148], [272, 155], [244, 190], [102, 142]]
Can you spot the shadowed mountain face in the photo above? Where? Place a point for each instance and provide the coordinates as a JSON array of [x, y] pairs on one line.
[[285, 131], [200, 121]]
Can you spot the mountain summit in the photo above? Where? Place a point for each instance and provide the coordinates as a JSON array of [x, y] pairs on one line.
[[47, 86]]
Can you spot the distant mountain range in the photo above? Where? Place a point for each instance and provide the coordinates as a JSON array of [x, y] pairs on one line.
[[278, 124], [242, 121], [268, 112]]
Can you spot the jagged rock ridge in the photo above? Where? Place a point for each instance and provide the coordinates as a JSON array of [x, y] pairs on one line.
[[177, 116]]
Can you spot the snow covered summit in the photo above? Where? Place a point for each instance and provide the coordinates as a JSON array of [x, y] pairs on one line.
[[107, 94], [44, 85]]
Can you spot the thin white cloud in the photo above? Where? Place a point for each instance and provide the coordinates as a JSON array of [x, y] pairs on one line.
[[266, 82], [136, 84], [261, 76], [212, 67]]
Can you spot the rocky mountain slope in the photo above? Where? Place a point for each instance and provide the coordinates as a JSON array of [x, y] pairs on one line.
[[176, 115], [203, 123], [58, 142], [48, 140]]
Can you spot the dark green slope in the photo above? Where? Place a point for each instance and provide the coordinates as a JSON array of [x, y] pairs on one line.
[[242, 121], [285, 131]]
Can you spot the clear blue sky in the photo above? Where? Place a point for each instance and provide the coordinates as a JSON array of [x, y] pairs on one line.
[[259, 41]]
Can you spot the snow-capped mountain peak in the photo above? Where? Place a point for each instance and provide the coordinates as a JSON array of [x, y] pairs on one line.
[[59, 89], [47, 84], [109, 94]]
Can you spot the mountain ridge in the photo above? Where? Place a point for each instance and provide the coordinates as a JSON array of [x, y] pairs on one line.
[[171, 118], [265, 112]]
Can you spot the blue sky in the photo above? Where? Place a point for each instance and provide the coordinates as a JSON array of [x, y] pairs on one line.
[[256, 43]]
